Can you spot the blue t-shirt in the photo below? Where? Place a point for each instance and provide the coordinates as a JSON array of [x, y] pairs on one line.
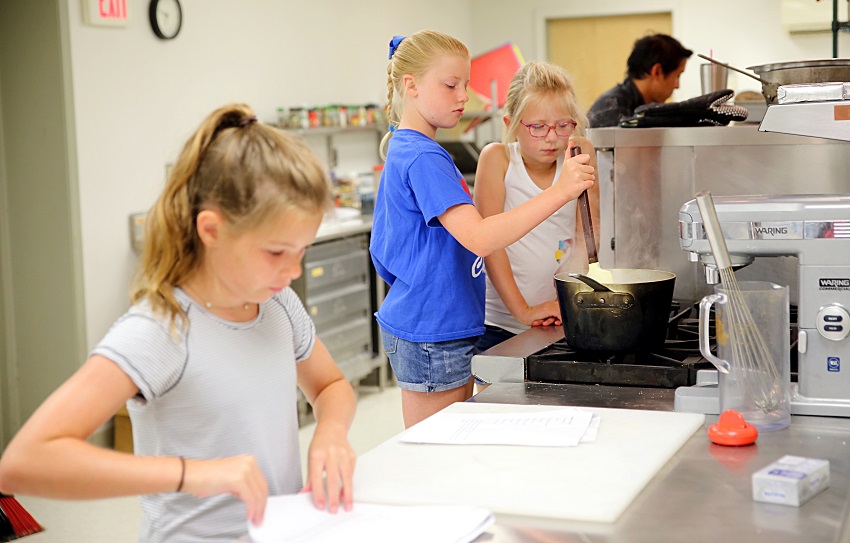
[[436, 285]]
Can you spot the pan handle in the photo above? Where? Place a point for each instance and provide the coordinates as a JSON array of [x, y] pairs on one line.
[[757, 78]]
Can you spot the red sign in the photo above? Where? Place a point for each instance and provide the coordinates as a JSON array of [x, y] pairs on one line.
[[105, 12], [112, 9]]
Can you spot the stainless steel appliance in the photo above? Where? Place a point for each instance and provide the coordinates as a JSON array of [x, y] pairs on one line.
[[816, 230]]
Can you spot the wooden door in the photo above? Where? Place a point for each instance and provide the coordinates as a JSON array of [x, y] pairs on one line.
[[594, 50]]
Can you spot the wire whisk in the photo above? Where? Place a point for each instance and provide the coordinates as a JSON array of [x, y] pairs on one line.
[[758, 375]]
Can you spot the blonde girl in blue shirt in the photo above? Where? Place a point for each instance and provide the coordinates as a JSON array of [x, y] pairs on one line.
[[428, 240]]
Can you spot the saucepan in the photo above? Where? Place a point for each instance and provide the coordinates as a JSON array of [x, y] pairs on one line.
[[772, 76], [629, 314]]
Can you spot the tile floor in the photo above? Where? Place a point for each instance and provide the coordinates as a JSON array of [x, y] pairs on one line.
[[117, 520]]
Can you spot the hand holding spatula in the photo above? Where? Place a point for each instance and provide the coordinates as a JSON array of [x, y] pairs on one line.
[[595, 271]]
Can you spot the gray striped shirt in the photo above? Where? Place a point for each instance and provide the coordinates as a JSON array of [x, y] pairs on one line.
[[218, 389]]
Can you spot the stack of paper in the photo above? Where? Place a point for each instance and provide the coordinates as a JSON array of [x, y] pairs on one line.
[[294, 519], [562, 427]]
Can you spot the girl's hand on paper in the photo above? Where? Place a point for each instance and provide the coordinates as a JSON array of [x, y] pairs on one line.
[[236, 475], [330, 468]]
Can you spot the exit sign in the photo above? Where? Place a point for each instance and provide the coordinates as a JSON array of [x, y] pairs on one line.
[[105, 12]]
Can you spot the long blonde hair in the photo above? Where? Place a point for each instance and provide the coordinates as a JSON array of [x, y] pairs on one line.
[[248, 171], [414, 55], [532, 82]]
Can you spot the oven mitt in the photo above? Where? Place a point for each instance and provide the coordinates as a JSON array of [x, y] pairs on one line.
[[706, 110]]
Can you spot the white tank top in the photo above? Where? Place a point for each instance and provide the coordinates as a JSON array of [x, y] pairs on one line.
[[538, 254]]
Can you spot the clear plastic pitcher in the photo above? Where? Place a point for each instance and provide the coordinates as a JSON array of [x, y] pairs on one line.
[[768, 305]]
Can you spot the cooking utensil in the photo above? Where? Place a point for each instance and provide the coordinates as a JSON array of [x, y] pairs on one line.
[[594, 268], [586, 220], [759, 377], [592, 283], [626, 315], [768, 88]]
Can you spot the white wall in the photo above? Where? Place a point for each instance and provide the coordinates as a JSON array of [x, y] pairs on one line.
[[137, 98], [742, 33]]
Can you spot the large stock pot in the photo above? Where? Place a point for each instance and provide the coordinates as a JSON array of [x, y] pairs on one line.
[[628, 314]]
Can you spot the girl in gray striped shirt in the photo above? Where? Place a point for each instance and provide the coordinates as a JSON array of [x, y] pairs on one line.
[[209, 355]]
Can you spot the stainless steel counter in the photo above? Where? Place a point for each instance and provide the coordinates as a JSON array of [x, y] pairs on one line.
[[704, 493], [731, 135]]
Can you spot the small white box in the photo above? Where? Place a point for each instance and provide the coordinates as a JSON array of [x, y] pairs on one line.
[[791, 480]]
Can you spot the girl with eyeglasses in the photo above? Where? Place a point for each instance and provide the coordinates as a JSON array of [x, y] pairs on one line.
[[543, 121], [428, 240]]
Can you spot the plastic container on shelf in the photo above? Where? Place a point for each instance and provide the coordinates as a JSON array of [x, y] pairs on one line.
[[314, 120], [298, 118], [370, 113], [353, 115]]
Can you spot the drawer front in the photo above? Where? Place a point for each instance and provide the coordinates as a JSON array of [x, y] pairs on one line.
[[349, 340], [331, 309], [329, 250], [347, 268]]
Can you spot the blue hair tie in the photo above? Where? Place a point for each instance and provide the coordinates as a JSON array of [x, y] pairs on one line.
[[391, 128], [394, 45]]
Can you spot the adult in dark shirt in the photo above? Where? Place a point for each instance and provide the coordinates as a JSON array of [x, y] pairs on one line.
[[654, 67]]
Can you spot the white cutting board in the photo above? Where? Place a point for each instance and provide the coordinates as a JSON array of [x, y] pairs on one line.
[[591, 482]]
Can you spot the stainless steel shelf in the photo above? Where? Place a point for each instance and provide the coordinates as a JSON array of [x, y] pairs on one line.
[[333, 130]]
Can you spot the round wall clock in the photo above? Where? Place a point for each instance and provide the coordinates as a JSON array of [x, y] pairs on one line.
[[166, 18]]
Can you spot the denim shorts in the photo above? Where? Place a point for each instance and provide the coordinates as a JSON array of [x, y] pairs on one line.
[[429, 367]]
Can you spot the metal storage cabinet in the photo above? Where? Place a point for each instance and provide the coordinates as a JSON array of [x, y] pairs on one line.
[[335, 289], [338, 292]]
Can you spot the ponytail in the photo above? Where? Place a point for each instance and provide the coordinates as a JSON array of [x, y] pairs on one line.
[[245, 170]]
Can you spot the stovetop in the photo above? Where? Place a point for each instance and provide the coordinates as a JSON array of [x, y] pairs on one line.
[[672, 365]]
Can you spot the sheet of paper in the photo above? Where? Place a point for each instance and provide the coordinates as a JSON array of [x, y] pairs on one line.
[[592, 430], [294, 519], [553, 428]]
